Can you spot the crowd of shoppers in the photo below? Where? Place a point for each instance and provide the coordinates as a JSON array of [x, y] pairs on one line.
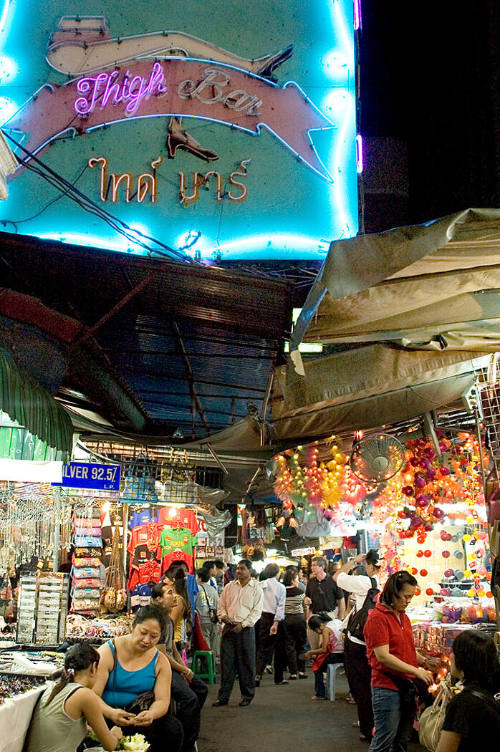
[[141, 683]]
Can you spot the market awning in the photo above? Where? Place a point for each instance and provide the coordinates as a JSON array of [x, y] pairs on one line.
[[432, 286], [32, 406], [407, 316]]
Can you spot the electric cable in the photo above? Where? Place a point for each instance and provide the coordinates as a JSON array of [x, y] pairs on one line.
[[87, 204]]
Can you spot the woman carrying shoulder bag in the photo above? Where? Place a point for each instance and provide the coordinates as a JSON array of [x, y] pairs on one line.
[[59, 722], [472, 720], [394, 663], [135, 676], [206, 608]]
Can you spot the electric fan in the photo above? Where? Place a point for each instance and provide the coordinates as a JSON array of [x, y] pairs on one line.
[[376, 458]]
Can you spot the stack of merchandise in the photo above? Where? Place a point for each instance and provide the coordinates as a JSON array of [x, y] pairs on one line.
[[86, 583], [53, 591], [42, 608], [26, 609], [80, 627]]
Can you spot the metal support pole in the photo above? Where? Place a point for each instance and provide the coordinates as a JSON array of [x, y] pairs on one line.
[[125, 529], [57, 530]]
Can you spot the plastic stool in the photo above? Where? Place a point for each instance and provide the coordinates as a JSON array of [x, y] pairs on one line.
[[199, 657], [330, 679]]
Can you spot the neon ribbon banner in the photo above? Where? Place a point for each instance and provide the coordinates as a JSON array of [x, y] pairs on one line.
[[177, 87]]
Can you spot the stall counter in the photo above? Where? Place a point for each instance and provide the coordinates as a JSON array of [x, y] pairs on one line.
[[15, 717]]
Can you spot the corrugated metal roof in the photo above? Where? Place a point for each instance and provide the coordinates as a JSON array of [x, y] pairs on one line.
[[192, 347]]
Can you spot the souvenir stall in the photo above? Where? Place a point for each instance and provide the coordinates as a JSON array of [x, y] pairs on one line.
[[419, 501]]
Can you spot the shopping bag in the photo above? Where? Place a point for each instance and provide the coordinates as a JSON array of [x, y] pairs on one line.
[[431, 721]]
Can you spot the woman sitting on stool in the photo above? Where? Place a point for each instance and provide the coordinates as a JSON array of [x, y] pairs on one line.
[[129, 667], [330, 650]]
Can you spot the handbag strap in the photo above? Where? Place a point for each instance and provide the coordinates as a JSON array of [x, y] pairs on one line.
[[489, 699], [210, 608]]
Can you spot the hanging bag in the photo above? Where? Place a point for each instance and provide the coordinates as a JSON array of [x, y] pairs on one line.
[[357, 619], [432, 718], [139, 482]]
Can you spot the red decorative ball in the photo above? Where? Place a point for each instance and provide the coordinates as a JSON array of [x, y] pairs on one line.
[[420, 553], [429, 591], [417, 591], [427, 553], [414, 570], [424, 572], [445, 554]]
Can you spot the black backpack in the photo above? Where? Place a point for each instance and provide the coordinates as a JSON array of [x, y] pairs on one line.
[[357, 620]]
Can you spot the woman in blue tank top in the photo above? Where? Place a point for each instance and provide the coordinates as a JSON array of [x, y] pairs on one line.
[[131, 665]]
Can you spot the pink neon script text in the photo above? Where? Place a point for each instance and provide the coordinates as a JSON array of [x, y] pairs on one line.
[[104, 88]]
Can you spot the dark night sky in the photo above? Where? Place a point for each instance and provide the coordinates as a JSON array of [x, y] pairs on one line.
[[429, 75]]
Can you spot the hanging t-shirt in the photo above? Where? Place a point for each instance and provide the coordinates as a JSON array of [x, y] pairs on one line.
[[175, 539], [177, 555], [141, 517], [144, 535], [140, 596], [180, 518]]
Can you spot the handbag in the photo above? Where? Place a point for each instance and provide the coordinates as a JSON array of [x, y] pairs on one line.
[[432, 718], [211, 611]]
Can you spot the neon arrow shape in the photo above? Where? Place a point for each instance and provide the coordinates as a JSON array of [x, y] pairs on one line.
[[174, 87]]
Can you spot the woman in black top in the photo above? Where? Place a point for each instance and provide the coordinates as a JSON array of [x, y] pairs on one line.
[[295, 624], [472, 719]]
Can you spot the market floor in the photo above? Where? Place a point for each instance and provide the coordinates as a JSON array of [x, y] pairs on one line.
[[282, 719]]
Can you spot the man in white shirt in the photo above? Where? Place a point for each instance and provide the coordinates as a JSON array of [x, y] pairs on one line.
[[356, 663], [239, 608], [271, 624]]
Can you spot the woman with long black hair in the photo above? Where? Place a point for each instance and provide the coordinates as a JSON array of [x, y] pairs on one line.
[[330, 649], [60, 718], [472, 720]]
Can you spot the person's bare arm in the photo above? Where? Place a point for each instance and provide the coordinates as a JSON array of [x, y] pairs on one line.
[[323, 645], [90, 707], [341, 608], [119, 716], [162, 694], [178, 610], [383, 655]]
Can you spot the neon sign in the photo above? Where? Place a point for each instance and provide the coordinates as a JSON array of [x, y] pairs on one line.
[[271, 110], [175, 87], [106, 87]]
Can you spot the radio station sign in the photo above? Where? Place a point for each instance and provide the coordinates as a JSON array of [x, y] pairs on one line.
[[225, 132], [91, 476]]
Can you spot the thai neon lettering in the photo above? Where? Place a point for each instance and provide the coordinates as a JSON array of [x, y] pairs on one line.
[[115, 186], [152, 179], [205, 180], [104, 174], [242, 172], [184, 198], [100, 89]]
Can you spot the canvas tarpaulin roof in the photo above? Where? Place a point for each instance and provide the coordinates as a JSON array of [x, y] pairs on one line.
[[418, 309]]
